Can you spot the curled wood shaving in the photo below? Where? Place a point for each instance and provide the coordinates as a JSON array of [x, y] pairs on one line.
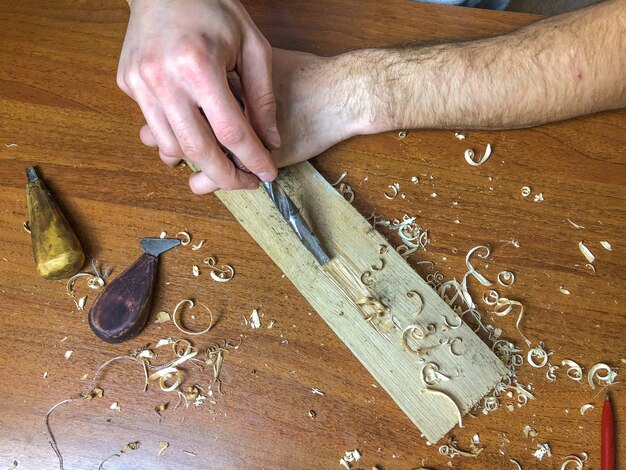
[[26, 226], [184, 237], [159, 409], [585, 408], [459, 136], [402, 134], [526, 191], [191, 305], [343, 175], [574, 372], [101, 466], [366, 278], [395, 188], [594, 373], [539, 197], [530, 432], [551, 372], [537, 357], [564, 291], [115, 406], [506, 278], [415, 180], [577, 462], [586, 252], [219, 274], [451, 450], [606, 245], [469, 156], [448, 399], [491, 297], [347, 192], [198, 245], [471, 269], [431, 374], [516, 463], [418, 299], [504, 306], [195, 270], [163, 234]]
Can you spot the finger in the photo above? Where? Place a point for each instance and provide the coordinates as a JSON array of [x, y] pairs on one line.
[[231, 127], [199, 146], [146, 136], [256, 80], [201, 184], [159, 127]]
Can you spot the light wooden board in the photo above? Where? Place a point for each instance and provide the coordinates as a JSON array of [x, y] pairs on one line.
[[351, 241]]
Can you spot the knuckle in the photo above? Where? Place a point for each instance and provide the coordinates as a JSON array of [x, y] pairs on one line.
[[229, 134], [133, 79], [151, 72], [169, 149], [188, 58]]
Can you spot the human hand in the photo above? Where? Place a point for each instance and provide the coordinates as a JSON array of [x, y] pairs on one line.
[[320, 101], [174, 64]]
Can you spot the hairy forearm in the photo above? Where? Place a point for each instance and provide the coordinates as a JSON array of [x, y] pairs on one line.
[[555, 69]]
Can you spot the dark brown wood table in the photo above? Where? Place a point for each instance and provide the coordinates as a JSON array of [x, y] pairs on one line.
[[60, 108]]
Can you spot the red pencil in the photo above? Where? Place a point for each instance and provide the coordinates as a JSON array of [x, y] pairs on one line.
[[607, 450]]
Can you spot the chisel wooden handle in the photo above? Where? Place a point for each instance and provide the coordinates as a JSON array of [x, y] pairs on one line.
[[122, 310]]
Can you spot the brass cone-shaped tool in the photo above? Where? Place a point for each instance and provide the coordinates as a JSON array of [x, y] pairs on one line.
[[58, 253]]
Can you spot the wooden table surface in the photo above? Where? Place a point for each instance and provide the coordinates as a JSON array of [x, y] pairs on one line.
[[60, 106]]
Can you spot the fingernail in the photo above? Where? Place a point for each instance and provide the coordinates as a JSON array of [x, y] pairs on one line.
[[266, 176], [273, 137]]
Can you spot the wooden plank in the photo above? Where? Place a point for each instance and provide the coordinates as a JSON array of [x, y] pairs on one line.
[[355, 247]]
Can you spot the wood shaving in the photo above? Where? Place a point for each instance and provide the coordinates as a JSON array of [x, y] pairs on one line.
[[402, 134], [347, 192], [115, 406], [606, 245], [184, 237], [578, 462], [585, 408], [469, 156], [163, 234], [586, 252], [516, 463], [539, 197], [594, 374], [188, 452], [219, 274], [537, 357], [542, 450], [195, 270], [551, 372], [130, 446], [101, 466], [529, 432], [574, 224], [484, 281], [506, 278], [415, 180], [178, 325], [343, 175], [452, 450], [68, 354], [504, 306], [162, 446], [491, 297], [317, 391], [564, 291], [350, 457], [459, 136], [431, 374], [255, 321], [526, 191], [198, 245], [159, 409], [26, 226], [45, 374], [80, 303], [395, 188], [312, 414], [574, 371], [162, 317]]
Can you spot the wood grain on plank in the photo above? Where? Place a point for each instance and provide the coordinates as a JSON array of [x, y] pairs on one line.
[[355, 246]]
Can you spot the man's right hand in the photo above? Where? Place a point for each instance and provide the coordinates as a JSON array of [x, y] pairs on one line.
[[174, 64]]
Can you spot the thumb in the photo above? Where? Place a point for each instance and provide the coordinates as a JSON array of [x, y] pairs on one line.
[[256, 81]]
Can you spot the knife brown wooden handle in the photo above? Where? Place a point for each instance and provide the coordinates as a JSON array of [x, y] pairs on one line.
[[122, 309]]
